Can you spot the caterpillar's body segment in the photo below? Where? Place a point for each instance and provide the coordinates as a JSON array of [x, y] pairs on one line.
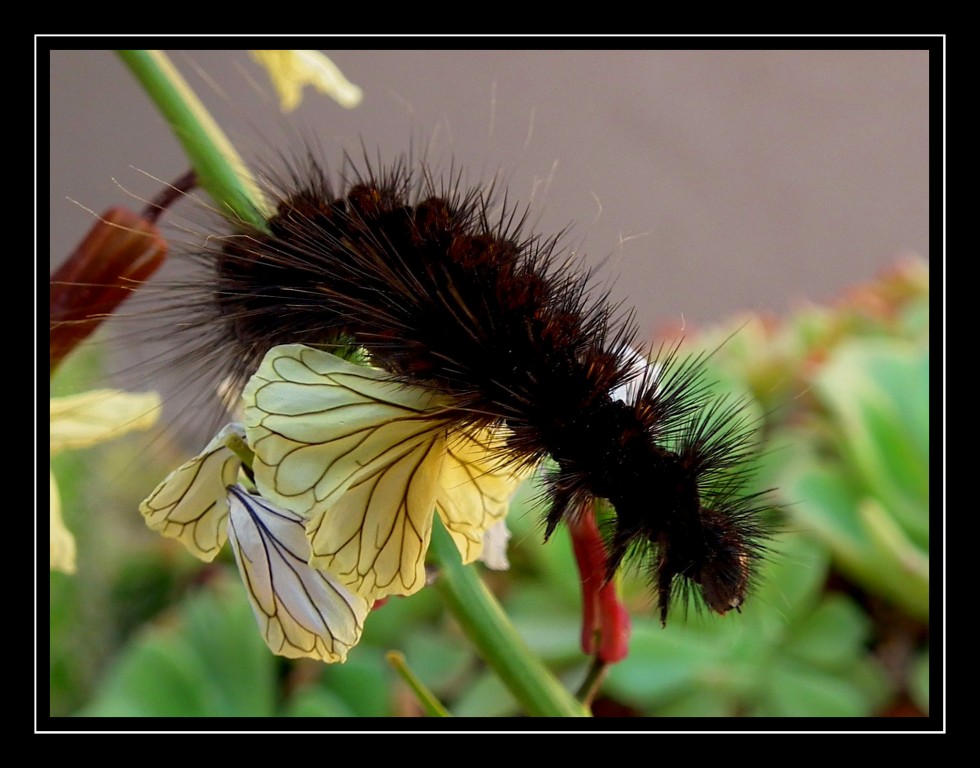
[[445, 297]]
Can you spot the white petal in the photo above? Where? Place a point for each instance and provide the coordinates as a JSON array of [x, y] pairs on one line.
[[495, 540], [374, 538], [191, 504], [642, 372], [302, 612], [317, 422], [475, 490]]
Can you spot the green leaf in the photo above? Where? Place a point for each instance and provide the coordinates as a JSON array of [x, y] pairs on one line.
[[702, 702], [824, 502], [793, 690], [317, 702], [878, 392], [554, 560], [487, 696], [437, 659], [159, 677], [662, 663], [554, 637], [363, 683], [208, 660], [790, 582], [873, 682], [66, 673], [387, 625], [832, 637], [224, 634], [869, 550], [919, 681]]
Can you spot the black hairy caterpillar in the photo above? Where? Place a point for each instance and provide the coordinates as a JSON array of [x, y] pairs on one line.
[[444, 295]]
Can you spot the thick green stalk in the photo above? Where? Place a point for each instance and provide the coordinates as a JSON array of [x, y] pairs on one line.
[[220, 170], [496, 640]]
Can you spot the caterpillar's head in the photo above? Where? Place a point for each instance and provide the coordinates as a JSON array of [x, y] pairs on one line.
[[698, 516], [696, 541], [712, 553], [724, 571]]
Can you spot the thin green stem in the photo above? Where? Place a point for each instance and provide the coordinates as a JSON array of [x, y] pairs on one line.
[[220, 169], [593, 681], [496, 640], [427, 699]]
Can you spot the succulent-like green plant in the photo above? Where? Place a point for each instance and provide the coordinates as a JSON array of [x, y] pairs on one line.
[[847, 388]]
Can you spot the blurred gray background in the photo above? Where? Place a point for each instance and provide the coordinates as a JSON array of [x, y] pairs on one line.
[[706, 183]]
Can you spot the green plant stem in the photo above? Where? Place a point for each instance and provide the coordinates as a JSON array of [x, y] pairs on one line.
[[427, 699], [593, 681], [220, 170], [496, 640]]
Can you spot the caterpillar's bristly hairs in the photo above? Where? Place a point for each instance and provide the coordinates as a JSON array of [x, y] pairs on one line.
[[444, 289]]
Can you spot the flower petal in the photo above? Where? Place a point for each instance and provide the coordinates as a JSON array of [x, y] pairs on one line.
[[495, 540], [291, 70], [191, 504], [302, 612], [78, 421], [317, 422], [642, 373], [475, 490], [62, 542], [374, 538]]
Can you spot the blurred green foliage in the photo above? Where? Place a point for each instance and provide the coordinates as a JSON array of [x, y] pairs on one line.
[[837, 625]]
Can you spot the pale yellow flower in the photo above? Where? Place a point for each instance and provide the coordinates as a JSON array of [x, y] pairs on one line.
[[291, 71], [368, 461], [302, 612], [350, 469], [78, 421]]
